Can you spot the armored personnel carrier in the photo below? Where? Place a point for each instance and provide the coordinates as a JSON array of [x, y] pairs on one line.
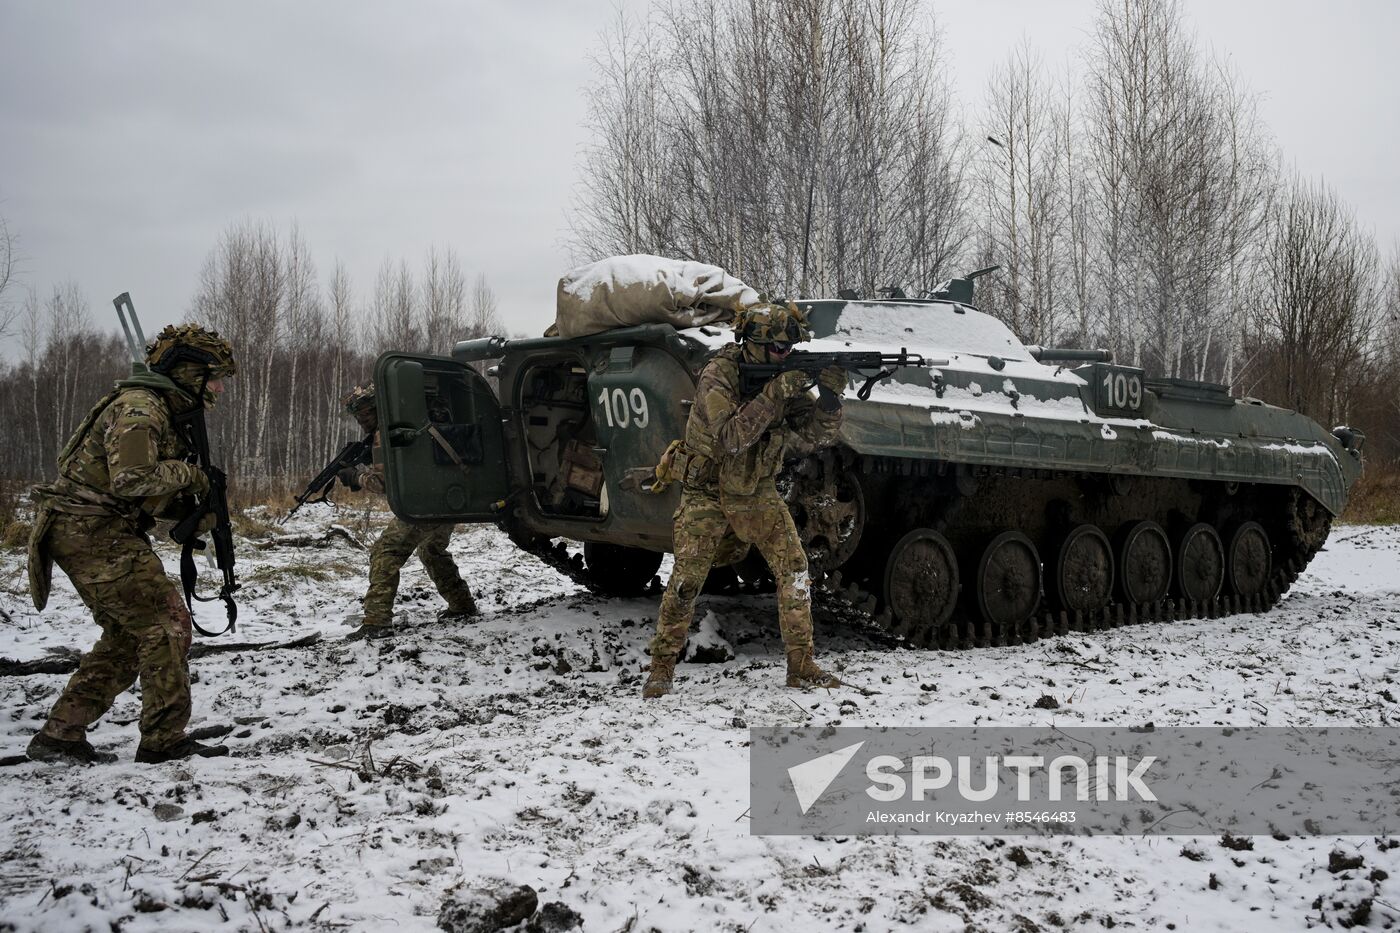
[[1004, 493]]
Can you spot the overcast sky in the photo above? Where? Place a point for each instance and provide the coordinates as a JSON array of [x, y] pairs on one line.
[[133, 133]]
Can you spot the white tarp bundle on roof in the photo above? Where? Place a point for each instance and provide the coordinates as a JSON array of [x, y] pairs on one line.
[[627, 290]]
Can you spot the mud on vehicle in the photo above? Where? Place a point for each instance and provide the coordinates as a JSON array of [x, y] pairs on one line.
[[1006, 493]]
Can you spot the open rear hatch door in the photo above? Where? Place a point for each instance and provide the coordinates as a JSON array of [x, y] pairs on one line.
[[441, 441]]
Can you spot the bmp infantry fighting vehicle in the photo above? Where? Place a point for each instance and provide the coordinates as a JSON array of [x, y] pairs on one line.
[[1001, 493]]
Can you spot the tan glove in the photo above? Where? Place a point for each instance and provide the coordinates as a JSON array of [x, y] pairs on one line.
[[786, 385], [832, 383], [834, 379], [373, 480], [199, 483]]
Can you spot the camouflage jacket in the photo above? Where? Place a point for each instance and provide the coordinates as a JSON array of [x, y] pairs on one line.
[[748, 439], [127, 458], [372, 475]]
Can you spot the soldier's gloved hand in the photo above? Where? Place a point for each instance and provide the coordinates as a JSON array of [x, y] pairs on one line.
[[208, 522], [831, 384], [786, 385], [350, 478], [199, 484], [373, 480], [834, 379]]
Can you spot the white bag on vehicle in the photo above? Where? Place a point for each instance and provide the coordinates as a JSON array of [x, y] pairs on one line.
[[641, 289]]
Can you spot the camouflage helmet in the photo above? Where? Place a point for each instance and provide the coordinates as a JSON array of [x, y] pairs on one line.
[[359, 399], [772, 322], [191, 343]]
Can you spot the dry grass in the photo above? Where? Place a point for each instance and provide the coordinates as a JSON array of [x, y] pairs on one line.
[[14, 531], [250, 526], [291, 575], [1375, 499]]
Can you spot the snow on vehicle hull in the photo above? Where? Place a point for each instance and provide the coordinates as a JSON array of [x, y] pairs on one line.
[[988, 498]]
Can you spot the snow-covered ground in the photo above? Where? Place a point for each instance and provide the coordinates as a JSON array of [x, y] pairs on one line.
[[368, 780]]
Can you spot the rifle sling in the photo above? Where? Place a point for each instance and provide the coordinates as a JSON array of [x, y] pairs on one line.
[[189, 581]]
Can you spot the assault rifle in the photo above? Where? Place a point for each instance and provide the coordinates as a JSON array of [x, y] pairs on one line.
[[870, 365], [352, 454], [186, 532]]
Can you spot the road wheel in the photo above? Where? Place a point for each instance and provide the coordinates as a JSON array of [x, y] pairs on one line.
[[1144, 563], [1200, 563], [1250, 559], [618, 570], [830, 517], [1084, 570], [1008, 580], [921, 585]]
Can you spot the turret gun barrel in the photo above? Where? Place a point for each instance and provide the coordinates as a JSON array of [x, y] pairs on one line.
[[1069, 355]]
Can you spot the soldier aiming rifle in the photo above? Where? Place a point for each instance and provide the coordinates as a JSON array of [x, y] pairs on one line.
[[733, 448]]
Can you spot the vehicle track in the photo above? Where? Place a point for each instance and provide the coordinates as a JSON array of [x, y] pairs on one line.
[[852, 602], [961, 632]]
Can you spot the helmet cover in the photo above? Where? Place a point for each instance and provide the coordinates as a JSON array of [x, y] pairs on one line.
[[359, 399], [772, 322], [191, 343]]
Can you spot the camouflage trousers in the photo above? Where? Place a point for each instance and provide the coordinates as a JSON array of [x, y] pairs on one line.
[[393, 549], [145, 631], [704, 519]]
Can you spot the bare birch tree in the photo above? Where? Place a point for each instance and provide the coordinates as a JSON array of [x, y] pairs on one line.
[[32, 340], [1023, 172], [344, 348], [485, 322], [805, 145], [9, 269], [621, 206], [68, 322], [1180, 180], [395, 309], [444, 294], [302, 338], [1319, 303]]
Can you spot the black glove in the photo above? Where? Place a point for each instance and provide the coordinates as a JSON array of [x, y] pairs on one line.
[[349, 478]]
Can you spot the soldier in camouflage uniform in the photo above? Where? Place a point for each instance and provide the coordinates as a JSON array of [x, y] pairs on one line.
[[732, 451], [399, 540], [128, 464]]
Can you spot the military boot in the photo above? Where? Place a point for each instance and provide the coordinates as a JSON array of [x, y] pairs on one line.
[[458, 607], [185, 748], [802, 671], [659, 678], [47, 748], [372, 632]]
